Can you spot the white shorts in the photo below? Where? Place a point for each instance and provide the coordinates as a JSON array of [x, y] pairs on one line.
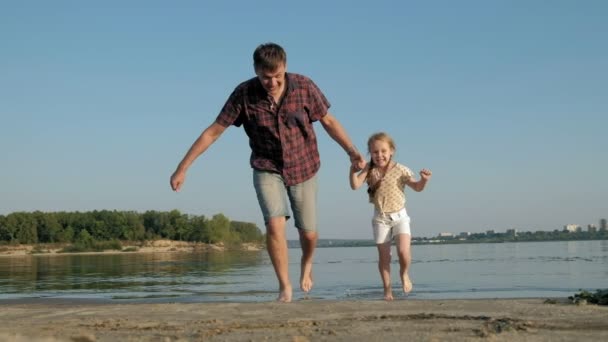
[[388, 225]]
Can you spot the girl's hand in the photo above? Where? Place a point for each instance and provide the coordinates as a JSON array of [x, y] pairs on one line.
[[425, 174]]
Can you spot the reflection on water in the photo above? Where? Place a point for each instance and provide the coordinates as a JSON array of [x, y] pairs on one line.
[[604, 245], [503, 270], [121, 275]]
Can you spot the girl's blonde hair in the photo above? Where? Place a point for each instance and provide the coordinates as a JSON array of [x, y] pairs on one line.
[[373, 175], [381, 136]]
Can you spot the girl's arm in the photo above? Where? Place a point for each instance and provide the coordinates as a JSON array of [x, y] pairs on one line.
[[418, 185], [357, 179]]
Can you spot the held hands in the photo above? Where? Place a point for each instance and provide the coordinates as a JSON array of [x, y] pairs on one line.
[[357, 162], [425, 174]]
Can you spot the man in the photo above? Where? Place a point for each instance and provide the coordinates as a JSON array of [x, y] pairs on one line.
[[277, 110]]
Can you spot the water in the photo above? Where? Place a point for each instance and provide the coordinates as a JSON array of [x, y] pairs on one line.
[[507, 270]]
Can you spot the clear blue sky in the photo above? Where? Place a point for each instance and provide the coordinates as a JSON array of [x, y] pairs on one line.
[[506, 101]]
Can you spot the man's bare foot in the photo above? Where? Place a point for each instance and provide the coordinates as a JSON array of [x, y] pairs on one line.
[[306, 277], [388, 295], [306, 283], [285, 295], [407, 283]]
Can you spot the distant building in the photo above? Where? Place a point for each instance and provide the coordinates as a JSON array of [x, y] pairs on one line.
[[446, 235], [490, 232], [603, 225], [465, 234], [591, 228], [571, 228], [511, 232]]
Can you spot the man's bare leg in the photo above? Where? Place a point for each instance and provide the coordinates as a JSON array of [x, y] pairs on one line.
[[384, 266], [277, 249], [405, 259], [308, 242]]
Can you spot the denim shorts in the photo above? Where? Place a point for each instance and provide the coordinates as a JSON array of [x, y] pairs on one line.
[[387, 225], [275, 197]]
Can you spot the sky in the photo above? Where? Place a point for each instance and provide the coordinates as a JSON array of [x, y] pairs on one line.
[[505, 101]]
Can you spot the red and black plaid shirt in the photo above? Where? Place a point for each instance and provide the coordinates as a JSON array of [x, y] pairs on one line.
[[281, 137]]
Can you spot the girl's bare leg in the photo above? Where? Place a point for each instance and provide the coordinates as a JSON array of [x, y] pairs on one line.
[[384, 266], [405, 259]]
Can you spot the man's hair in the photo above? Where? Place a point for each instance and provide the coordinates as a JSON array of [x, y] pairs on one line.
[[268, 57]]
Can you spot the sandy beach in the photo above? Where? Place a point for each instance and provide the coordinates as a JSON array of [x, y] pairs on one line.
[[306, 320], [152, 246], [536, 319]]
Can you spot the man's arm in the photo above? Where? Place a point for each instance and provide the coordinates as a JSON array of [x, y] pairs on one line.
[[206, 139], [335, 130]]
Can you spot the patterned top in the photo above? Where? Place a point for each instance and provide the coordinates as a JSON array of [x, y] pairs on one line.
[[281, 136], [390, 195]]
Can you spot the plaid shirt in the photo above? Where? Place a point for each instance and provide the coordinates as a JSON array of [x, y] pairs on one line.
[[281, 136]]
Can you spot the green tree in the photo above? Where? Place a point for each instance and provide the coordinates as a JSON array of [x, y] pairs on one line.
[[84, 238], [219, 228], [135, 229], [246, 231], [48, 226], [199, 229], [152, 222], [104, 225], [66, 235], [22, 227], [5, 233]]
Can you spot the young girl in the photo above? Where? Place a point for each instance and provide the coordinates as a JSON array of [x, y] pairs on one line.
[[386, 180]]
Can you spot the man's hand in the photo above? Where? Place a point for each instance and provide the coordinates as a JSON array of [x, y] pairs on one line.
[[357, 161], [177, 180]]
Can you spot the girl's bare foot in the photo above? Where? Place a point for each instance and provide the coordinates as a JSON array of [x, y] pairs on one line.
[[407, 283], [388, 295], [285, 295]]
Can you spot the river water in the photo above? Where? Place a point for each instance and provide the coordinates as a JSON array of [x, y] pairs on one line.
[[500, 270]]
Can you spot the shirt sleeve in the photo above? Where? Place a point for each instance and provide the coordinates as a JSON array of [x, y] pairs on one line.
[[406, 174], [318, 104], [231, 113]]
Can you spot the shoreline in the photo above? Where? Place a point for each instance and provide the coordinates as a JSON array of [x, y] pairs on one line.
[[128, 247], [307, 320]]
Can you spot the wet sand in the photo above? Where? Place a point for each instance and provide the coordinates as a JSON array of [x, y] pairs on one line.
[[305, 320]]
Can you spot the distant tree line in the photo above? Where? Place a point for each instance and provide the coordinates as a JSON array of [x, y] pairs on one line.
[[105, 225], [556, 235]]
